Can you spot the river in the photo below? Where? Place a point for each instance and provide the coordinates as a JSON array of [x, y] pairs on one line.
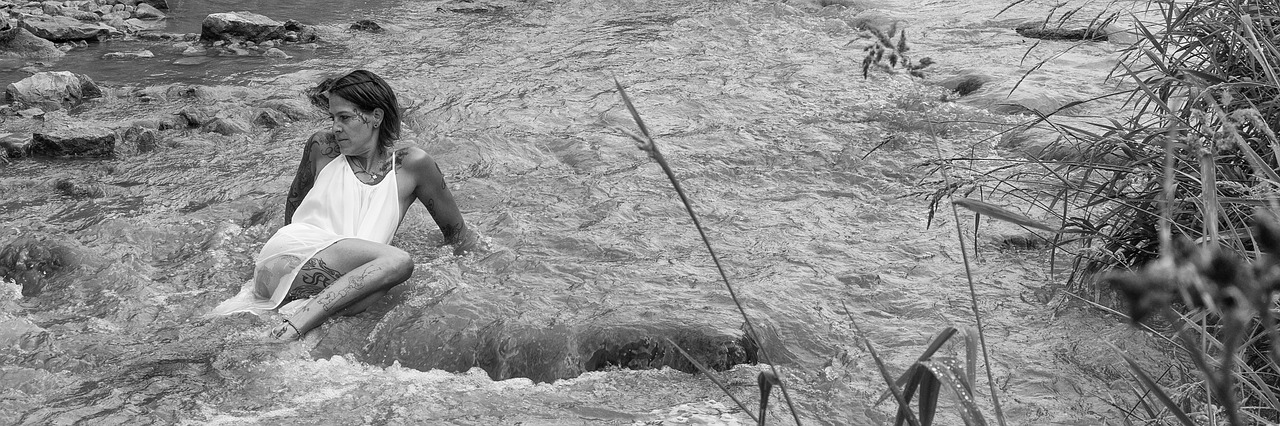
[[810, 180]]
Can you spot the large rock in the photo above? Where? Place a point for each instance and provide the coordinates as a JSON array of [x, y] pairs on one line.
[[146, 11], [240, 26], [74, 142], [51, 90], [23, 44], [158, 4], [64, 29]]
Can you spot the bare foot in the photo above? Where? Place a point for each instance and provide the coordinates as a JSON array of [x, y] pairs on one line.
[[285, 331]]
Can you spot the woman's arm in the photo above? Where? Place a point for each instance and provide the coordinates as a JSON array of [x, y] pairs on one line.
[[319, 146], [433, 193]]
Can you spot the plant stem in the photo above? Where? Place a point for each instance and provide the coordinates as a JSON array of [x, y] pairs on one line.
[[973, 292], [652, 148]]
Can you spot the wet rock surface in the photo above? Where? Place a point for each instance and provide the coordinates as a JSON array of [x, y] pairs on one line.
[[52, 90]]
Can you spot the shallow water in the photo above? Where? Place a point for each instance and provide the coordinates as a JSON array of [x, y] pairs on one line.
[[808, 177]]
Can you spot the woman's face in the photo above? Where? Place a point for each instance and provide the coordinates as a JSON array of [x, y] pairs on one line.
[[354, 130]]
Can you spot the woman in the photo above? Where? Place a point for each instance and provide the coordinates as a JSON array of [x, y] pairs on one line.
[[351, 191]]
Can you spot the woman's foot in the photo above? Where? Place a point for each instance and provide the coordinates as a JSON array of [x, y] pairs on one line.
[[285, 331]]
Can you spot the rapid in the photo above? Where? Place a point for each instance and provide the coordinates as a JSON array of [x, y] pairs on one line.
[[812, 182]]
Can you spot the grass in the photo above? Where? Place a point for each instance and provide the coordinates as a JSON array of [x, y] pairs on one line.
[[1171, 212]]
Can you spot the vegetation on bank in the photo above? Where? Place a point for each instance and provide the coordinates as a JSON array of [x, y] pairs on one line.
[[1171, 213]]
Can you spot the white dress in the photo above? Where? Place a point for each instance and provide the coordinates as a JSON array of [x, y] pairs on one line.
[[339, 206]]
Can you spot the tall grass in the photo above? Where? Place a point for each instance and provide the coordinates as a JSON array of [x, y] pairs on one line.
[[1179, 195]]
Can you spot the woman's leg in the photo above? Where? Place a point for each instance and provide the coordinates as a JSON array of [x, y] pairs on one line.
[[355, 273]]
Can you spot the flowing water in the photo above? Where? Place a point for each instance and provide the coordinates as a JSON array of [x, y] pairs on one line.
[[809, 179]]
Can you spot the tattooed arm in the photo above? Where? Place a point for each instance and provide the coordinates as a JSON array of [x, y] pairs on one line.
[[434, 194], [319, 150]]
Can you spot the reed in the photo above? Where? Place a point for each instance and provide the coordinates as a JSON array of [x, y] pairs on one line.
[[645, 142], [1170, 212]]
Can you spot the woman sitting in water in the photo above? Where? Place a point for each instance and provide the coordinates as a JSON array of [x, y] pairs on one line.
[[349, 196]]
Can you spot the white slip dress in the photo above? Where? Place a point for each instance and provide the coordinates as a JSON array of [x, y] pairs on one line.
[[339, 206]]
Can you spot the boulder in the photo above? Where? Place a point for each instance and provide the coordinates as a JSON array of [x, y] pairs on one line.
[[23, 44], [158, 4], [294, 109], [143, 138], [366, 25], [269, 118], [146, 11], [8, 29], [242, 26], [78, 142], [63, 29], [15, 148], [52, 90], [226, 126]]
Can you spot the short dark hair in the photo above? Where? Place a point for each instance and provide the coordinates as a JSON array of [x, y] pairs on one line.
[[368, 92]]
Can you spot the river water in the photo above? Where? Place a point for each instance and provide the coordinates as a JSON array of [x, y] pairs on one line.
[[809, 178]]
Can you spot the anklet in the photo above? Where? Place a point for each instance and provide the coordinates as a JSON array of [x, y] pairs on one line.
[[294, 327]]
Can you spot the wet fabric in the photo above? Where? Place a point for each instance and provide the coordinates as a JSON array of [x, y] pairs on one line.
[[339, 206]]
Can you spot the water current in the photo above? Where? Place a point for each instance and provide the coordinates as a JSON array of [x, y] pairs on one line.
[[810, 179]]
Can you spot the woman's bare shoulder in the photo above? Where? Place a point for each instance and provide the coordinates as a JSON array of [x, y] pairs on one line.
[[322, 144], [414, 158]]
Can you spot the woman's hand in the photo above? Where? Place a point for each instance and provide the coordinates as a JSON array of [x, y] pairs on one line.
[[469, 242]]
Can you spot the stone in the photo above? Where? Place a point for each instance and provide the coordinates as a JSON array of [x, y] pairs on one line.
[[74, 142], [31, 112], [269, 118], [192, 60], [16, 148], [295, 109], [31, 263], [141, 137], [468, 6], [136, 54], [146, 11], [240, 26], [158, 4], [965, 84], [1036, 29], [23, 44], [52, 90], [63, 29], [276, 53], [366, 25], [226, 126]]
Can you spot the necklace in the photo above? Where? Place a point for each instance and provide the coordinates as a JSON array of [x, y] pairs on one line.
[[372, 175]]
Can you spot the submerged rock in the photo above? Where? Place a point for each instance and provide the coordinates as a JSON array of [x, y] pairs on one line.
[[468, 6], [1038, 30], [31, 263], [77, 142], [240, 26], [52, 90], [367, 25], [966, 83]]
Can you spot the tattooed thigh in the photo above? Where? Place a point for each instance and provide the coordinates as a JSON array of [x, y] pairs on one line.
[[314, 277]]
